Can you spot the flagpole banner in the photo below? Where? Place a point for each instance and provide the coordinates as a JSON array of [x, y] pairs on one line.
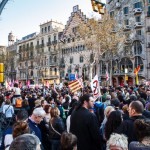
[[95, 87], [75, 85]]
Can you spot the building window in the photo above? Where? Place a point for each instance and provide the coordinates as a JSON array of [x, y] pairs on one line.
[[55, 71], [138, 32], [112, 14], [126, 10], [54, 37], [49, 28], [102, 67], [71, 60], [138, 5], [81, 59], [126, 22], [137, 47], [139, 61], [126, 63], [42, 30], [37, 42], [138, 18], [31, 73], [55, 59], [45, 29]]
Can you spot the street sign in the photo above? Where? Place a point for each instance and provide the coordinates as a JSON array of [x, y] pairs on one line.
[[71, 77]]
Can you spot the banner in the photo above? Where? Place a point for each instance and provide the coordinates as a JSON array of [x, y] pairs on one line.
[[95, 87]]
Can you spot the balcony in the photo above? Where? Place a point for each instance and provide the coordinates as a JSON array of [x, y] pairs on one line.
[[127, 28], [138, 25], [139, 37], [118, 5], [31, 47], [128, 41], [37, 46], [54, 42], [137, 11], [42, 45], [53, 63], [49, 43]]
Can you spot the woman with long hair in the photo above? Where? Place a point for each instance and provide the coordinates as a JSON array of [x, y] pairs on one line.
[[56, 127], [113, 121]]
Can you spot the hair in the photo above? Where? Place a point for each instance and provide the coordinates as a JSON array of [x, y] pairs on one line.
[[25, 142], [68, 141], [119, 140], [22, 115], [137, 106], [39, 112], [108, 110], [16, 85], [25, 103], [113, 121], [46, 108], [20, 128], [54, 112], [67, 98], [8, 101], [142, 127]]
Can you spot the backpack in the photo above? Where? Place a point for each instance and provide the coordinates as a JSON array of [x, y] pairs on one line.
[[18, 103]]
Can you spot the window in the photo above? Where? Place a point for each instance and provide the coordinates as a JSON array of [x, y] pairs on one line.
[[138, 18], [55, 71], [138, 32], [54, 37], [81, 59], [42, 30], [49, 39], [126, 10], [139, 61], [126, 63], [49, 28], [102, 67], [45, 29], [137, 47], [138, 5], [49, 49], [55, 59], [126, 22], [71, 60], [112, 14], [37, 42]]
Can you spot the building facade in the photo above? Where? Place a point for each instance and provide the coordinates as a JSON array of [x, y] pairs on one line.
[[133, 16]]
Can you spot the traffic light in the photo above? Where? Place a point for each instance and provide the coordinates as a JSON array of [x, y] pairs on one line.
[[98, 6], [1, 67], [1, 72], [67, 76], [1, 77]]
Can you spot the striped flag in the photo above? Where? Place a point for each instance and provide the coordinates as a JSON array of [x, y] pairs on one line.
[[75, 85]]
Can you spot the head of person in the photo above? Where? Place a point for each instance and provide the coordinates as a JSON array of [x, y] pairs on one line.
[[108, 110], [16, 85], [113, 122], [7, 102], [25, 142], [20, 128], [68, 141], [54, 112], [115, 103], [108, 97], [67, 99], [142, 127], [22, 115], [38, 115], [135, 108], [87, 101], [47, 108], [117, 142]]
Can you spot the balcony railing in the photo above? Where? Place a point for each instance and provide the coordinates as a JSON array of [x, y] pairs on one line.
[[49, 43], [54, 42]]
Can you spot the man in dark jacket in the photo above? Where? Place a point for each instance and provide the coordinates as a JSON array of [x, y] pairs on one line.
[[127, 127], [84, 125]]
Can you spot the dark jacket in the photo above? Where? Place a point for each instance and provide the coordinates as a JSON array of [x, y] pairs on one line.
[[127, 128], [84, 125], [146, 113], [57, 125], [34, 129], [138, 146]]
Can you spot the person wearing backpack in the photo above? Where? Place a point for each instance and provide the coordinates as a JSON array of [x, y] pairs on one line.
[[18, 103], [8, 109]]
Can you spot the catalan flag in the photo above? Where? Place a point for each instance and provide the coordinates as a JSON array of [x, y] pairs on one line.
[[75, 85], [136, 70]]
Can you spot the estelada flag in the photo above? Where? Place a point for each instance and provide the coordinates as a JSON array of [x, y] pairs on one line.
[[136, 70]]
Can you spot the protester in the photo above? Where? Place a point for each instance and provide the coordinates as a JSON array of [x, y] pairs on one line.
[[84, 125], [142, 128]]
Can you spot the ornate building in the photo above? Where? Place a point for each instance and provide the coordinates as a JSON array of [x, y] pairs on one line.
[[131, 16]]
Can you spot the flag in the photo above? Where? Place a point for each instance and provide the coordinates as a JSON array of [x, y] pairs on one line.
[[95, 87], [107, 76], [75, 85], [136, 70]]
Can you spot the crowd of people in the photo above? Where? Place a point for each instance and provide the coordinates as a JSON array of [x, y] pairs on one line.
[[56, 119]]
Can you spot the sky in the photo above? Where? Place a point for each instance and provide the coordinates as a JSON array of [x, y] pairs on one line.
[[23, 17]]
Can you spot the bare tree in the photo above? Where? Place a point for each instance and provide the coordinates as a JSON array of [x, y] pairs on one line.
[[102, 36]]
